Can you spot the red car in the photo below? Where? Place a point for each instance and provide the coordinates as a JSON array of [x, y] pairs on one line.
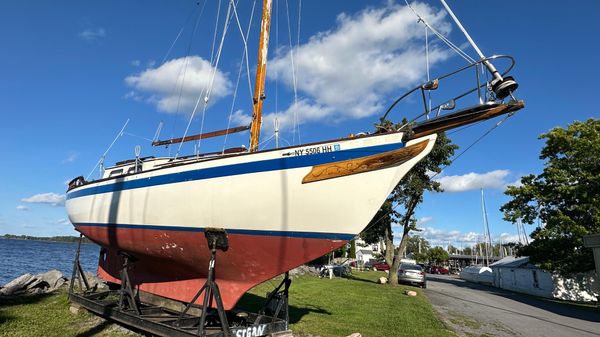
[[380, 266], [439, 270]]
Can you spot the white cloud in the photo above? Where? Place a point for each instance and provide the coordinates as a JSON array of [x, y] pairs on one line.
[[163, 84], [473, 181], [92, 34], [22, 208], [71, 157], [424, 220], [346, 72], [435, 235], [240, 118], [46, 198], [63, 221], [136, 63]]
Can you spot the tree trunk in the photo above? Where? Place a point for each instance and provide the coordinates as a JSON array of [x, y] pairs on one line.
[[393, 277], [389, 246]]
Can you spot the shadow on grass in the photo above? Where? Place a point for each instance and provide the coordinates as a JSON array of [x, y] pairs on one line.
[[8, 301], [254, 303], [93, 331], [354, 278]]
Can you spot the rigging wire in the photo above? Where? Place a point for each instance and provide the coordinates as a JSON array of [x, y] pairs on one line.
[[183, 69], [451, 162], [441, 36], [180, 32], [296, 69], [207, 91], [294, 81], [244, 54], [245, 41], [101, 160]]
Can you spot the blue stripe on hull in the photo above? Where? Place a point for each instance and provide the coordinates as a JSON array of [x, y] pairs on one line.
[[237, 169], [306, 235]]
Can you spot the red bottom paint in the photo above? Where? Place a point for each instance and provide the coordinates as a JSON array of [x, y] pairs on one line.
[[174, 264]]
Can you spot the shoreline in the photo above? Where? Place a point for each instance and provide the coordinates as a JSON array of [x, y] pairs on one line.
[[55, 239]]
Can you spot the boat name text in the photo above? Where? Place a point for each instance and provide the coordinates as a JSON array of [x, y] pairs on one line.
[[251, 331], [313, 150]]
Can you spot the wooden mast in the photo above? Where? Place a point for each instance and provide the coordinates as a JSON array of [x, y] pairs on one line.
[[261, 72]]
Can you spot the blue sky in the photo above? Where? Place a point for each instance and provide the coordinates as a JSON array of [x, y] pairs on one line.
[[71, 75]]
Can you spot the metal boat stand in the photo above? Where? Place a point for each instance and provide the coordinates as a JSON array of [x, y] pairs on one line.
[[124, 306]]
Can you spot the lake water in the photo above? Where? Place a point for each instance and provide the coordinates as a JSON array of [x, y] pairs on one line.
[[18, 257]]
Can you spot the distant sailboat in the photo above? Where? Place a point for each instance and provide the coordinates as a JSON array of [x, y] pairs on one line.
[[280, 207]]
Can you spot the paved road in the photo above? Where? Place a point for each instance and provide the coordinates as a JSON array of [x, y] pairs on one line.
[[473, 309]]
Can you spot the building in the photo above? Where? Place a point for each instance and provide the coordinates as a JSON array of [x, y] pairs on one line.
[[363, 256], [517, 274]]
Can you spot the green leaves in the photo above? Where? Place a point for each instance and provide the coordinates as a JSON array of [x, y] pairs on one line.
[[565, 197]]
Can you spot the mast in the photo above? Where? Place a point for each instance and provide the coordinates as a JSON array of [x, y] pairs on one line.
[[261, 72], [486, 234]]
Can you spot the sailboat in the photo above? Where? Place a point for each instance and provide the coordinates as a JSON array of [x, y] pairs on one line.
[[280, 207]]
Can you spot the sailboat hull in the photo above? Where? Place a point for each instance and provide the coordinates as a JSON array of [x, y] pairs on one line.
[[280, 208]]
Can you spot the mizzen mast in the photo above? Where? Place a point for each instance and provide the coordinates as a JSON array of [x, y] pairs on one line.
[[261, 73]]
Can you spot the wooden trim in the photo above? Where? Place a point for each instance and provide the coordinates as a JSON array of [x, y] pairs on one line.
[[463, 117], [201, 136], [364, 164]]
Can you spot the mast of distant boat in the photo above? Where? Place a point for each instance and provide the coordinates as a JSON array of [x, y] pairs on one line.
[[486, 231], [261, 72]]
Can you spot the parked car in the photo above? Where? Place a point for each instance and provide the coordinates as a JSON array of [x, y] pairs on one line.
[[380, 266], [412, 274], [439, 270]]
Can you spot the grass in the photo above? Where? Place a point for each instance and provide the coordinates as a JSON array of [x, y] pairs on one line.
[[318, 307], [49, 315], [341, 306]]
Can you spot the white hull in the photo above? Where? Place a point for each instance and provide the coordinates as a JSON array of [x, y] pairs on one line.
[[269, 200]]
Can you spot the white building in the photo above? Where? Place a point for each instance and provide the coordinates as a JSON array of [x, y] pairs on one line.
[[363, 255], [517, 274]]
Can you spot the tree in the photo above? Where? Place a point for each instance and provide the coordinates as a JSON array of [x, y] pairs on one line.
[[410, 190], [352, 251], [380, 228], [467, 251], [416, 244], [452, 250], [421, 257], [436, 255], [565, 197]]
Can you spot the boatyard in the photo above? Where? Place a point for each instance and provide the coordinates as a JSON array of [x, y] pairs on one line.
[[296, 168]]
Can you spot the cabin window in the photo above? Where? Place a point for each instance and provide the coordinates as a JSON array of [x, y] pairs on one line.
[[115, 173]]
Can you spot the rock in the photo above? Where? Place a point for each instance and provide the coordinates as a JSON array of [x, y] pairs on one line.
[[32, 285], [51, 280], [383, 280], [303, 270], [17, 284], [75, 309], [356, 334], [410, 293]]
